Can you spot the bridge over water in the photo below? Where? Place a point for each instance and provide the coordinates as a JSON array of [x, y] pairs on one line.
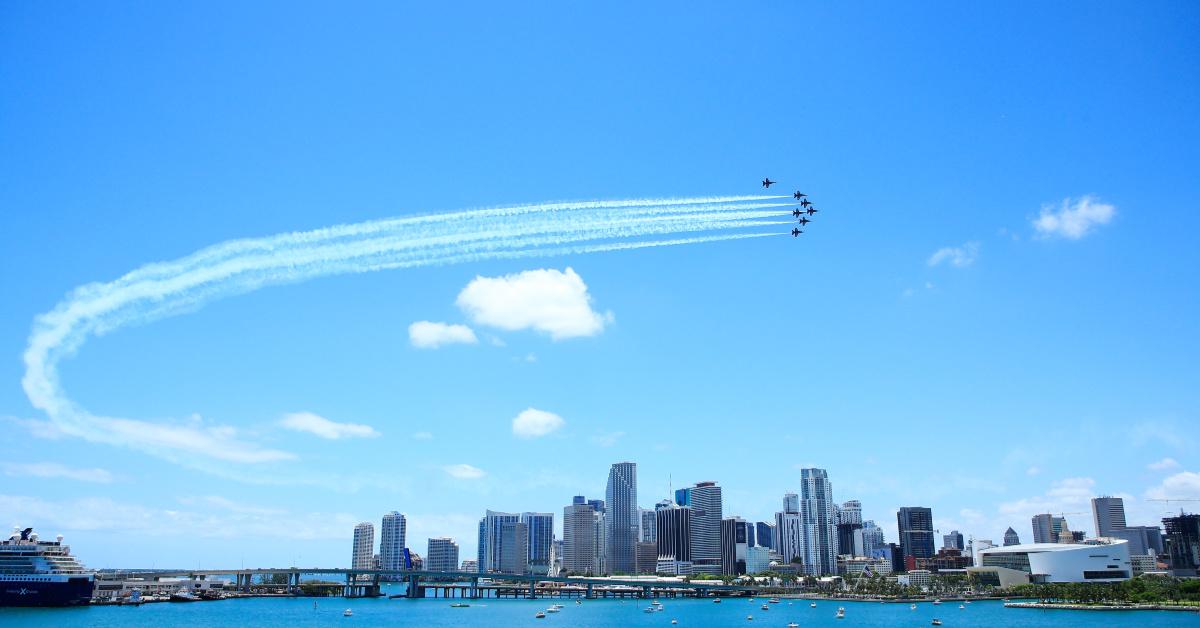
[[366, 582]]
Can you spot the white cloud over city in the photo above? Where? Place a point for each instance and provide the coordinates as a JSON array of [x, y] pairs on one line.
[[549, 301], [533, 423], [464, 471], [55, 470]]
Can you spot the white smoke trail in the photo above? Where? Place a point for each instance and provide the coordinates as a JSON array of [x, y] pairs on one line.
[[239, 266]]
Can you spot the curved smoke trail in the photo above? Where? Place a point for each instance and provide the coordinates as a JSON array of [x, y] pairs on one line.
[[235, 267]]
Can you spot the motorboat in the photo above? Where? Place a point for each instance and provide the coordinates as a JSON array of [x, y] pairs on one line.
[[912, 607], [459, 605], [347, 613], [540, 615], [773, 600], [961, 606], [813, 605], [716, 600], [841, 614], [765, 607], [936, 622], [936, 602]]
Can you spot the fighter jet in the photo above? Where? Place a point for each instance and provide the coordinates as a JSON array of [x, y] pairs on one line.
[[767, 182], [812, 210], [799, 195], [796, 213], [804, 221], [805, 203], [796, 232]]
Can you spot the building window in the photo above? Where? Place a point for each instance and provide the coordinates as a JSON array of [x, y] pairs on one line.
[[1105, 575]]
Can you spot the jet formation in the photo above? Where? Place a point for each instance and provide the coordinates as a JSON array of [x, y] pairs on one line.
[[801, 213]]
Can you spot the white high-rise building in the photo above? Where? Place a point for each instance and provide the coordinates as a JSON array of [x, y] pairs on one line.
[[392, 541], [364, 546], [621, 519], [819, 544], [442, 555], [872, 538], [789, 536]]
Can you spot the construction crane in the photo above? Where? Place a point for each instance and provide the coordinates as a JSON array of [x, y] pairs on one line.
[[1181, 499]]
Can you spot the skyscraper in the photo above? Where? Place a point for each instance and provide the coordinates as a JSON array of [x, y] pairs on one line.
[[441, 555], [849, 529], [788, 534], [674, 539], [649, 530], [819, 532], [1046, 528], [621, 519], [540, 526], [764, 534], [872, 536], [734, 545], [1108, 513], [579, 538], [915, 527], [791, 503], [491, 541], [705, 500], [954, 540], [364, 546], [514, 547], [1011, 537], [392, 533]]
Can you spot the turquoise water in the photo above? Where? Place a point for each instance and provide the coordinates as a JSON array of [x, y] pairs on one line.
[[299, 612]]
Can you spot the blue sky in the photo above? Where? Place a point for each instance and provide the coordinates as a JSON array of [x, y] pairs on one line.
[[1020, 370]]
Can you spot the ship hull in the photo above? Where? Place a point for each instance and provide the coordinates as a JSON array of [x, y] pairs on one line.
[[68, 591]]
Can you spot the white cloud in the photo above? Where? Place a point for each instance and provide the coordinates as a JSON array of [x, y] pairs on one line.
[[55, 470], [323, 427], [532, 423], [431, 335], [464, 471], [422, 435], [547, 300], [38, 428], [1064, 495], [1182, 485], [1073, 219], [959, 256], [607, 440], [1166, 464]]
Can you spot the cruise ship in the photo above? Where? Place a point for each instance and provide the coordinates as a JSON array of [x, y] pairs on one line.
[[41, 573]]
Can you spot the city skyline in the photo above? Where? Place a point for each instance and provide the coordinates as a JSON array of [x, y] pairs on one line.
[[212, 337]]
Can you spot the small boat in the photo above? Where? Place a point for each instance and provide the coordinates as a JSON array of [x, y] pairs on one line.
[[314, 605], [716, 600], [841, 614], [773, 600], [912, 607], [459, 605], [749, 617], [648, 609], [936, 622], [813, 605], [540, 615], [793, 625], [961, 606], [674, 621], [183, 595], [936, 602], [347, 613], [765, 607]]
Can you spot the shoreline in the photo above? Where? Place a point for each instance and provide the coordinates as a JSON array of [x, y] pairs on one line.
[[1101, 607]]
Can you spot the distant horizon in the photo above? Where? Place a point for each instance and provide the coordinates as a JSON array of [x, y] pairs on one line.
[[272, 270]]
